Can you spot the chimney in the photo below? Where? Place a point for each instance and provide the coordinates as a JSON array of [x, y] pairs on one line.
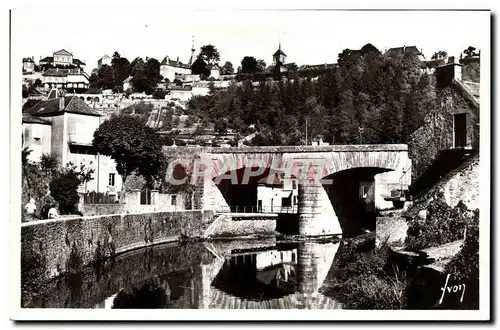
[[177, 58]]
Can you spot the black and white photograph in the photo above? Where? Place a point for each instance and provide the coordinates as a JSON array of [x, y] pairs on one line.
[[183, 164]]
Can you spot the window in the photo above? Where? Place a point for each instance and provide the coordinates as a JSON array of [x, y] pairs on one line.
[[294, 184], [174, 200], [364, 191], [111, 181]]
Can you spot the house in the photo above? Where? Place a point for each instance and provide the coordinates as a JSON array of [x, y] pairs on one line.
[[450, 131], [64, 58], [69, 79], [105, 60], [170, 68], [214, 71], [277, 194], [36, 136], [413, 50], [28, 65], [63, 126], [127, 83]]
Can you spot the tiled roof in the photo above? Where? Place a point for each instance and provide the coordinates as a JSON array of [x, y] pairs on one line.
[[30, 119], [398, 50], [63, 52], [56, 72], [177, 64], [72, 104], [28, 59], [77, 61], [62, 72], [47, 59], [279, 52], [317, 66]]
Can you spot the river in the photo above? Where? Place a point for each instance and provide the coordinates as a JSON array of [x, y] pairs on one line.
[[230, 274]]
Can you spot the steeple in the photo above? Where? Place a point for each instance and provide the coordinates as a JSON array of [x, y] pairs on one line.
[[192, 51]]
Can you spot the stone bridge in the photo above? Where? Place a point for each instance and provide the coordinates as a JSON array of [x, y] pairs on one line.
[[334, 182]]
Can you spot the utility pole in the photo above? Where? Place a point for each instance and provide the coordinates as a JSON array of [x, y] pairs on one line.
[[306, 131]]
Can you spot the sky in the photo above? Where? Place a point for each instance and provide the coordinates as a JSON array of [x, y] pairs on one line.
[[307, 37]]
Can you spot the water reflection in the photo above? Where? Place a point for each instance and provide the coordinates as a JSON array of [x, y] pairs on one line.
[[231, 274]]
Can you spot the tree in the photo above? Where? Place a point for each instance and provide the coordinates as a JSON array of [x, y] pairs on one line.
[[261, 65], [440, 54], [132, 145], [227, 68], [249, 64], [200, 67], [64, 189], [209, 54], [121, 68]]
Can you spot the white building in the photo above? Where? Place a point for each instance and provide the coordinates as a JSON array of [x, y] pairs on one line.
[[277, 194], [105, 60], [63, 127]]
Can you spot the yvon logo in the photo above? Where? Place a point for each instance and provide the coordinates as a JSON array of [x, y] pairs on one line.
[[452, 289]]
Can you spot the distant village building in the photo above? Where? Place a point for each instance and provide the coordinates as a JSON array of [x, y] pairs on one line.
[[279, 195], [127, 83], [28, 65], [105, 60], [63, 126], [396, 51], [62, 57], [69, 79], [170, 69]]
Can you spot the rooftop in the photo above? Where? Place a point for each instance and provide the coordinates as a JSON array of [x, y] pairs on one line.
[[399, 50], [72, 104], [30, 119]]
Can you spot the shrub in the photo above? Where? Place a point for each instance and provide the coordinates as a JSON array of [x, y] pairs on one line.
[[373, 292], [64, 190], [465, 265], [443, 224]]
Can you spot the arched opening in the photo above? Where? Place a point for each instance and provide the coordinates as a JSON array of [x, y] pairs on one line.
[[352, 194], [258, 190]]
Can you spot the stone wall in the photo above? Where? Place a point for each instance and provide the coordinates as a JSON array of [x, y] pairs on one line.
[[226, 227], [391, 230], [461, 184], [52, 247], [90, 210], [436, 132]]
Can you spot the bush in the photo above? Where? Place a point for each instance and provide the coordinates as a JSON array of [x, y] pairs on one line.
[[373, 292], [465, 265], [443, 224], [64, 190]]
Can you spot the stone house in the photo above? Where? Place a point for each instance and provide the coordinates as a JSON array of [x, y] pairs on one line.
[[69, 79], [63, 127], [62, 57], [451, 129]]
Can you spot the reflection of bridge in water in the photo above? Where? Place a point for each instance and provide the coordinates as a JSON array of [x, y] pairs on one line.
[[202, 275], [290, 276]]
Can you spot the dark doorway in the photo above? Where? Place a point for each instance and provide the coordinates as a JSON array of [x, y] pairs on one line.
[[460, 130]]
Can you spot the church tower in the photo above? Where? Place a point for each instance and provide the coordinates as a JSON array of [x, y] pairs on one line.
[[192, 52], [279, 57]]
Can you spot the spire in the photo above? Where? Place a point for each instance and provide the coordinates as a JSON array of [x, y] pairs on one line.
[[192, 51]]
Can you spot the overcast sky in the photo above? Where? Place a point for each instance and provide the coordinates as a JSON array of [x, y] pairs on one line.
[[307, 37]]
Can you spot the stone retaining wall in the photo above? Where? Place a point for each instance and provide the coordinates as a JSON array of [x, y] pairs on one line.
[[227, 227], [52, 247]]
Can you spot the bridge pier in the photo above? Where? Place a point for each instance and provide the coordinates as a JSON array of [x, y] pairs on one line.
[[316, 213]]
